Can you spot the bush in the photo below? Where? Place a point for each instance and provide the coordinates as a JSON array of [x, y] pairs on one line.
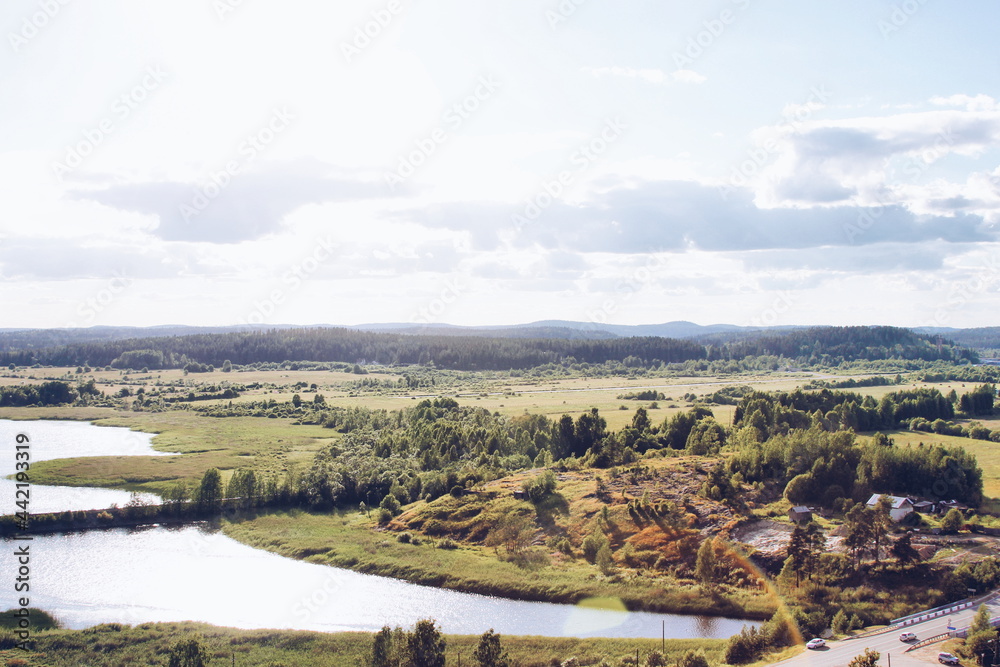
[[404, 538], [952, 521], [745, 647], [655, 659], [691, 658], [391, 504], [447, 543], [592, 544], [604, 562], [541, 486]]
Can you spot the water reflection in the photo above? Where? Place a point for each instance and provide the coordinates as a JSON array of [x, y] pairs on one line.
[[190, 573], [65, 439], [194, 573]]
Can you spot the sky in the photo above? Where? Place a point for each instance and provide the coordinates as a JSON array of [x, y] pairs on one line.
[[219, 162]]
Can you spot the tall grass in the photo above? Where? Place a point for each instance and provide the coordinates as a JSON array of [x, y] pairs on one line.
[[112, 645]]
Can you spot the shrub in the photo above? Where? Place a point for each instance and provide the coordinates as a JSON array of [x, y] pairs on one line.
[[655, 659], [391, 504], [404, 538], [592, 544], [691, 658], [745, 647], [605, 563], [541, 486], [841, 623], [952, 521]]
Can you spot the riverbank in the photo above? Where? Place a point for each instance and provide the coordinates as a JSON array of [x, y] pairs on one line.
[[352, 540], [349, 539], [268, 446], [151, 644]]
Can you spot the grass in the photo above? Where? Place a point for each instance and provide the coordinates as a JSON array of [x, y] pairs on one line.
[[350, 540], [268, 445], [150, 644]]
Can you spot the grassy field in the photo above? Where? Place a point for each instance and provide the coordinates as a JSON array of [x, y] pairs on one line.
[[270, 445], [150, 645], [276, 444], [986, 452]]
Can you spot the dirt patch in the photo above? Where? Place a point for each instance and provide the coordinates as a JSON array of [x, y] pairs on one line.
[[768, 538]]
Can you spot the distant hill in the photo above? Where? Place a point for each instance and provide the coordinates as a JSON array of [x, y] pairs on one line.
[[534, 330], [983, 338], [566, 329]]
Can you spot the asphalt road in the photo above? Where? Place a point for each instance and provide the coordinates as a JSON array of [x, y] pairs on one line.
[[840, 653]]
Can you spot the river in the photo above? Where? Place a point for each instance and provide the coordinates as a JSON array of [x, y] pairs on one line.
[[192, 573]]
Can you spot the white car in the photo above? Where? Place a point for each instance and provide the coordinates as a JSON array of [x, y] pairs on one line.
[[815, 643], [907, 637], [947, 659]]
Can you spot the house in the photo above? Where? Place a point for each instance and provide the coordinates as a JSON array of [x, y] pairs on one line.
[[800, 514], [945, 506], [520, 494], [901, 506], [924, 507]]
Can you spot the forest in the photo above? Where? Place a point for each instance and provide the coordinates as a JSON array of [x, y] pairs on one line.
[[813, 346]]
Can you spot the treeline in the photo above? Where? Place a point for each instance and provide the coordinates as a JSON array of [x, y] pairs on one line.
[[47, 393], [816, 346], [830, 346], [817, 466], [772, 413]]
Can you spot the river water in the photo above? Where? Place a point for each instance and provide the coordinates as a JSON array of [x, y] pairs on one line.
[[192, 573]]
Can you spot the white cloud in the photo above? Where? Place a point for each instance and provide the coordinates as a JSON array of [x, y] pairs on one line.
[[884, 160], [969, 102]]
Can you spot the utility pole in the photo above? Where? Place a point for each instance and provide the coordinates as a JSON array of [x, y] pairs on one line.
[[663, 637]]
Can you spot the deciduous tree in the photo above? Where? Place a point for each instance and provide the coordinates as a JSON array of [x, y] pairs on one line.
[[489, 652]]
